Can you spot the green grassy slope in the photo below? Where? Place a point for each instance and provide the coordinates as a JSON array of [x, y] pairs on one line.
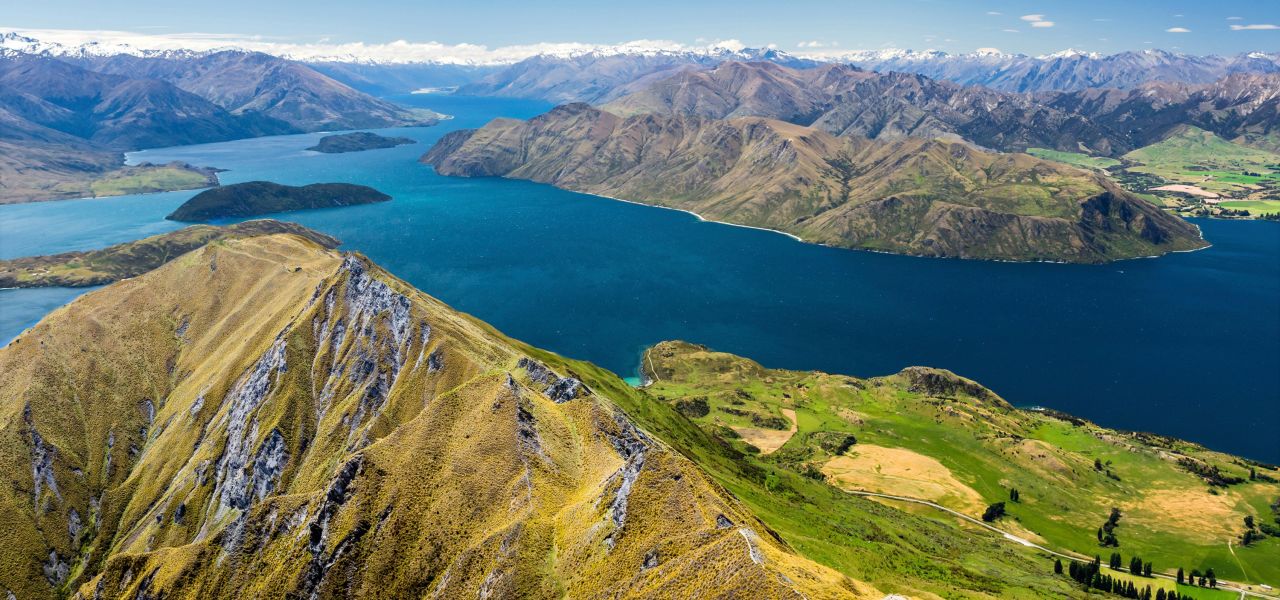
[[146, 179], [1193, 156], [923, 421], [1074, 158], [901, 552]]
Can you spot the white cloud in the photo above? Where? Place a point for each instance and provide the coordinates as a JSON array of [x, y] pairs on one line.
[[1235, 18], [814, 44], [1037, 21], [994, 13], [1009, 30], [987, 51], [399, 51], [1255, 27], [1178, 30]]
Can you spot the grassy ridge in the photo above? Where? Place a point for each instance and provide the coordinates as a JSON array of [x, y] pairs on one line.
[[1074, 158], [148, 179], [130, 259], [1172, 517]]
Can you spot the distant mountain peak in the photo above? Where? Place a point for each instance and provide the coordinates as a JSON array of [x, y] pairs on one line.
[[1071, 53]]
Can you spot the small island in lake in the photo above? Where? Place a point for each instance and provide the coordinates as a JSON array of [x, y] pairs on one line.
[[357, 141], [263, 197]]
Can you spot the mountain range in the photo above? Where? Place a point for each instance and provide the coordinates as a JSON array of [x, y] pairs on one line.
[[911, 195], [65, 120], [555, 78], [594, 67], [848, 101], [1069, 70]]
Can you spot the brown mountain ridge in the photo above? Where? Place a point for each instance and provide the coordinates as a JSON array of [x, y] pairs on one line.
[[911, 195]]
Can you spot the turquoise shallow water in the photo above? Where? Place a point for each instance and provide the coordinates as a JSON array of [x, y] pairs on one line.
[[1186, 345]]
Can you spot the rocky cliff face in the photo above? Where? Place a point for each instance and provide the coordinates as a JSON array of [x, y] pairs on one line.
[[264, 416], [911, 195]]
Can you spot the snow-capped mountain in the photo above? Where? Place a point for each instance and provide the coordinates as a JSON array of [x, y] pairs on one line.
[[1068, 70]]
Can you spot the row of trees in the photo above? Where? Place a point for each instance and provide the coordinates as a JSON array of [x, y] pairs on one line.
[[1136, 566], [1206, 579], [1090, 576]]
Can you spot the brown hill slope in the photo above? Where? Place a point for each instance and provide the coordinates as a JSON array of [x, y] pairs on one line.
[[910, 196], [265, 417], [843, 100], [130, 259]]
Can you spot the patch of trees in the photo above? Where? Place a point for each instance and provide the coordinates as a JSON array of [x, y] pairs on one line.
[[1254, 475], [1210, 473], [693, 407], [1107, 533], [737, 412], [835, 443], [1233, 212], [1105, 469], [1254, 531], [1014, 495], [993, 512], [770, 422]]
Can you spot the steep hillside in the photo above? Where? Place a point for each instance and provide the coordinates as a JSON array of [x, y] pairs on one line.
[[600, 77], [251, 83], [117, 111], [130, 259], [1243, 108], [846, 101], [262, 416], [930, 435], [911, 196]]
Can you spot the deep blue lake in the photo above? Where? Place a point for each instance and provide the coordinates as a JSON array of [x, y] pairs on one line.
[[1185, 345]]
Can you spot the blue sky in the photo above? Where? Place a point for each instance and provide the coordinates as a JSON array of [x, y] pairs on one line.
[[1031, 26]]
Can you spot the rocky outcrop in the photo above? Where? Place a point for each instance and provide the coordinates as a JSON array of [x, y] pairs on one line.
[[559, 389], [234, 478], [945, 384]]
